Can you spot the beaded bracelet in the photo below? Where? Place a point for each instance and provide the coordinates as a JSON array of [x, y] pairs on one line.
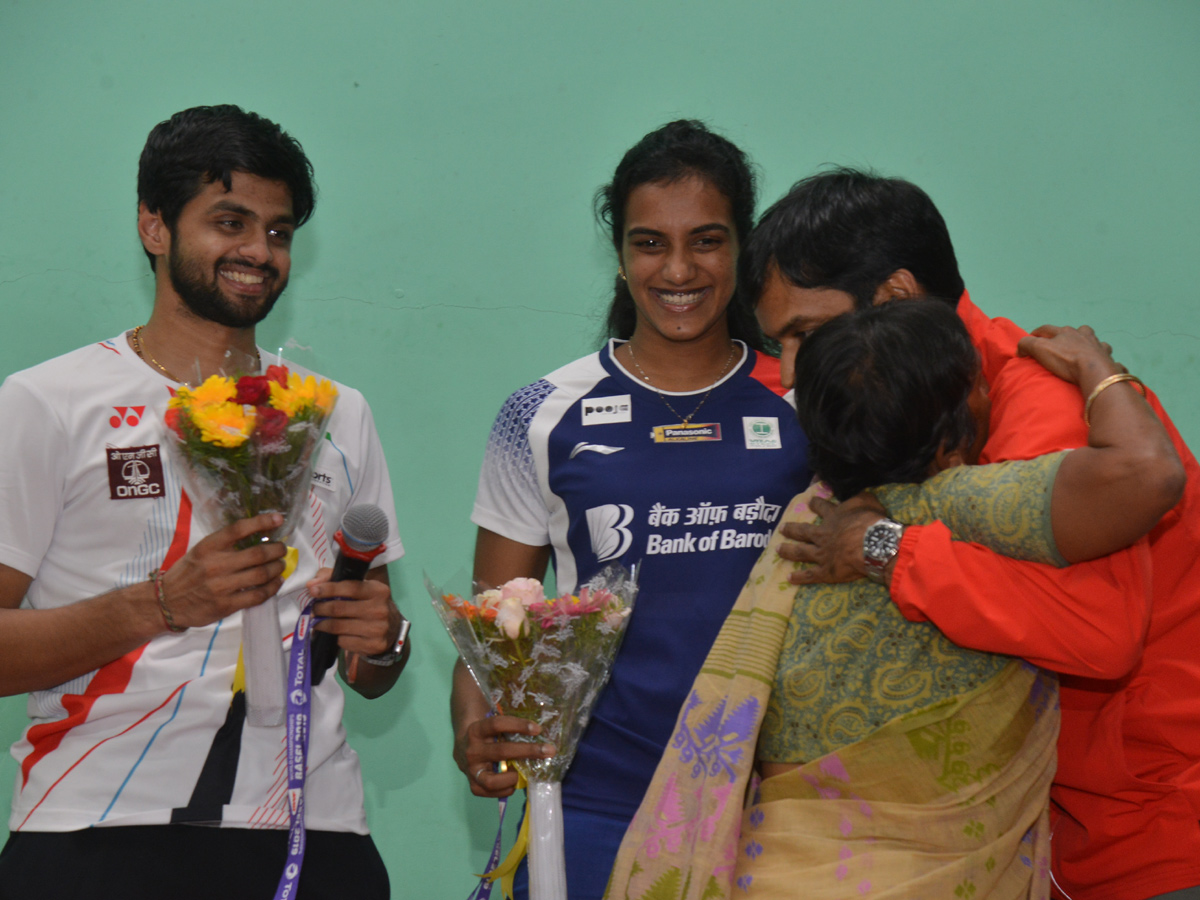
[[157, 577], [1105, 385]]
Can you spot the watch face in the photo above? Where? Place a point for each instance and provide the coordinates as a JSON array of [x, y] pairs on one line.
[[882, 542]]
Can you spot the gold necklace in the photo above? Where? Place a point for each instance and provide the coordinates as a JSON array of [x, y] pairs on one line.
[[684, 420], [144, 355]]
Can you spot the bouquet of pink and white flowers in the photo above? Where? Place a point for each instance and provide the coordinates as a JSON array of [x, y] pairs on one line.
[[545, 659]]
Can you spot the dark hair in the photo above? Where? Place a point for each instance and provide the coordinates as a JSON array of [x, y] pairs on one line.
[[849, 230], [209, 143], [879, 390], [676, 151]]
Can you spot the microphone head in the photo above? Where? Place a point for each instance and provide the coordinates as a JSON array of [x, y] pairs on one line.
[[364, 527]]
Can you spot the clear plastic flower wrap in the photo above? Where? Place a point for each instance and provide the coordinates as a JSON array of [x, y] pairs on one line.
[[246, 446], [543, 659]]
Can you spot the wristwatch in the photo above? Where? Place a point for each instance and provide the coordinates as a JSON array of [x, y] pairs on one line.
[[881, 543], [390, 658]]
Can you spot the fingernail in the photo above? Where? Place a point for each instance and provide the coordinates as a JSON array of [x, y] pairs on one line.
[[547, 749]]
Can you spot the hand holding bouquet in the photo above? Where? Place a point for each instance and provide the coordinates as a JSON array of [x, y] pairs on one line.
[[246, 447], [544, 659]]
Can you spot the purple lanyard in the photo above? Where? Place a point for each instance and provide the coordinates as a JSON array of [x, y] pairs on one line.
[[299, 706], [484, 891]]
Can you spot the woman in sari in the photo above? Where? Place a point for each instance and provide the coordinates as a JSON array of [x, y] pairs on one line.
[[893, 763]]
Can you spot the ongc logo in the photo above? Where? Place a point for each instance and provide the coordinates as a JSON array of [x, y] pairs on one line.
[[134, 472]]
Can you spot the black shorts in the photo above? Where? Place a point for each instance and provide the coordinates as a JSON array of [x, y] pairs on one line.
[[146, 862]]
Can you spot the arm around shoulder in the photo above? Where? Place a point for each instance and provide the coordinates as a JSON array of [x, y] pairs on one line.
[[1113, 491]]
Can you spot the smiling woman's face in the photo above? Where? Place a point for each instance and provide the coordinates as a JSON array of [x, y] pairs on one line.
[[680, 253]]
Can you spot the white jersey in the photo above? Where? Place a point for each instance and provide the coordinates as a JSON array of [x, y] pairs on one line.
[[90, 501]]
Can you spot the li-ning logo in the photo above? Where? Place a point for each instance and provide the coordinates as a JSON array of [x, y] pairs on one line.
[[607, 526], [134, 472], [607, 410], [603, 449], [126, 415]]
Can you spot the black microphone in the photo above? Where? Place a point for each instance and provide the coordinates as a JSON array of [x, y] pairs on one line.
[[361, 540]]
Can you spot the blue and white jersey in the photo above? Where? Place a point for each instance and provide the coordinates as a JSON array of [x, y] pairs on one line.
[[593, 463]]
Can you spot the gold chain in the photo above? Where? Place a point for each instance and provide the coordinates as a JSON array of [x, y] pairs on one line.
[[144, 355], [684, 420]]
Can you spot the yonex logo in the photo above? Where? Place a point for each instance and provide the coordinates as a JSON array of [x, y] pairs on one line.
[[126, 415]]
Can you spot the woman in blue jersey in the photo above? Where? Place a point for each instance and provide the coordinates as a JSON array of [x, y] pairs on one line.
[[674, 447]]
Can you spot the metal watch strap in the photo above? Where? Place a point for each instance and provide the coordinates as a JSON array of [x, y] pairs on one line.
[[392, 656], [881, 543]]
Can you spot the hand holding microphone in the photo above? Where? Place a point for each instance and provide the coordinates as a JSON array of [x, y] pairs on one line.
[[360, 540]]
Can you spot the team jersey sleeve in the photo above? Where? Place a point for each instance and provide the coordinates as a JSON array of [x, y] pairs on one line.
[[32, 475], [509, 501], [1088, 619], [374, 485]]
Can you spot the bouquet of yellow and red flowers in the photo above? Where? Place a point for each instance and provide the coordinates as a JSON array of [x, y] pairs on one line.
[[545, 659], [246, 447]]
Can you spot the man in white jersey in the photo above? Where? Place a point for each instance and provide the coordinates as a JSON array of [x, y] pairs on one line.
[[138, 730]]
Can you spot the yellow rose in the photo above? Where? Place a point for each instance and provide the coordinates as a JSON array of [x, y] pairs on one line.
[[303, 393], [224, 424], [327, 396], [214, 390]]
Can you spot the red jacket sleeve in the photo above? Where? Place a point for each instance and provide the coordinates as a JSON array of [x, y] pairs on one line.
[[1088, 619]]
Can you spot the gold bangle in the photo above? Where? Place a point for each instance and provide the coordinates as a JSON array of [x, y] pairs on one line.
[[157, 577], [1105, 385]]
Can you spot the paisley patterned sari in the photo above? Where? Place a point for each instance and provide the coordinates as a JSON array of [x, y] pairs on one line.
[[923, 769]]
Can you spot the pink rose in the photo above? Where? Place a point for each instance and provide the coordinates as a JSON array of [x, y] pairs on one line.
[[614, 617], [510, 616], [526, 591]]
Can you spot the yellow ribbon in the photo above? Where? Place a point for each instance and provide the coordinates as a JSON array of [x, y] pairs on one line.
[[506, 872], [289, 561]]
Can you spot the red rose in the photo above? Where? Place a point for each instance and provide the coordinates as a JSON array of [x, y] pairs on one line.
[[252, 390], [278, 374], [270, 423], [172, 419]]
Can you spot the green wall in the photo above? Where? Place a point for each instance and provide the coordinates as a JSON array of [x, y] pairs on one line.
[[453, 257]]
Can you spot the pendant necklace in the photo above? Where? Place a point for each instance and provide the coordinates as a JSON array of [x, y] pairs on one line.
[[684, 420]]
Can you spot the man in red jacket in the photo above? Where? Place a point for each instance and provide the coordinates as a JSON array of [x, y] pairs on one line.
[[1126, 800]]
